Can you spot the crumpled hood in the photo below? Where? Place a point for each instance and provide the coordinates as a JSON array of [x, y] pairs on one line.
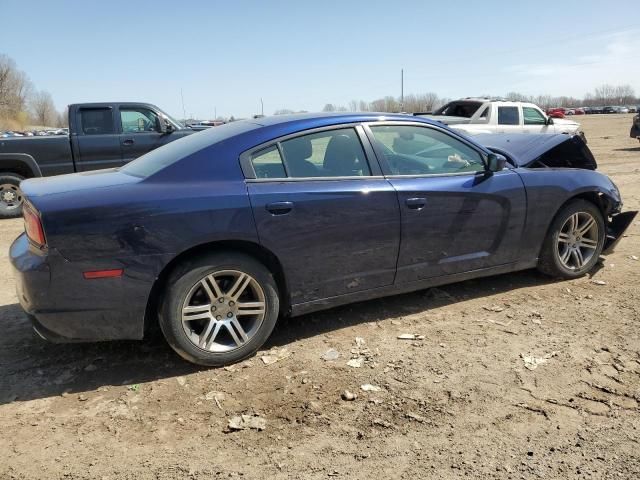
[[552, 150]]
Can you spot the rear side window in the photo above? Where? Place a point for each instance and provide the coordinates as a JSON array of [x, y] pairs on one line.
[[508, 116], [97, 121], [267, 163], [533, 116], [332, 153]]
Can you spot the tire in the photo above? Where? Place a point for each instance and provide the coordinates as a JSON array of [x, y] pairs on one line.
[[569, 252], [204, 322], [11, 197]]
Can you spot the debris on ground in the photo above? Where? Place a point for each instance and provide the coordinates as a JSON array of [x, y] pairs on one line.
[[275, 355], [367, 387], [218, 397], [410, 336], [531, 362], [415, 416], [245, 422], [494, 308], [181, 381], [348, 396], [356, 362], [598, 282], [330, 355]]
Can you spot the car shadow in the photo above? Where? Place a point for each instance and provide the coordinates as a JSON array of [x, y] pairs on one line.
[[31, 368]]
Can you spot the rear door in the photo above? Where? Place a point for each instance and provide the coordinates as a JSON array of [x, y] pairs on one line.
[[454, 217], [141, 133], [509, 119], [322, 206], [96, 141]]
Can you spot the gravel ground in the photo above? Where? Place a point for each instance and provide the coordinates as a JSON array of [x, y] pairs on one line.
[[464, 401]]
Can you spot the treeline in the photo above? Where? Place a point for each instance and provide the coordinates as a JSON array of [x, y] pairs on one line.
[[428, 102], [21, 104]]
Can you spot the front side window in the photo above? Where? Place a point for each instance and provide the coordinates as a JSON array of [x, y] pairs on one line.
[[332, 153], [508, 116], [96, 121], [533, 116], [413, 150], [137, 120]]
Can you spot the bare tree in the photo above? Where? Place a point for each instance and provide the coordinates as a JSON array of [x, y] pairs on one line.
[[15, 88], [43, 109]]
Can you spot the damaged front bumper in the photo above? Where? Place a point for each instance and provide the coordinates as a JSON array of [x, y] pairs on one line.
[[616, 227]]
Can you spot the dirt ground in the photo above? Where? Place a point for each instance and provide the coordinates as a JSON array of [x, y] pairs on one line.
[[459, 403]]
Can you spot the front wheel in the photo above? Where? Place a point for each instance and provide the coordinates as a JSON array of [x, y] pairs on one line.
[[574, 241], [219, 308], [11, 197]]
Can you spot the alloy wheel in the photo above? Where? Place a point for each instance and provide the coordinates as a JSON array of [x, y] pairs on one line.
[[223, 311], [577, 240]]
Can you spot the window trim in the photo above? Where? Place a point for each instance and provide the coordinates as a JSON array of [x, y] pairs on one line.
[[248, 170], [385, 166]]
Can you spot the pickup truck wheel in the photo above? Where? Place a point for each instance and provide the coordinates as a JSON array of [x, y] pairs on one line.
[[219, 308], [574, 241], [11, 197]]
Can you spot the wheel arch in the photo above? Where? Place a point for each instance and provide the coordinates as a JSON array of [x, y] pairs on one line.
[[596, 197], [22, 164], [252, 249]]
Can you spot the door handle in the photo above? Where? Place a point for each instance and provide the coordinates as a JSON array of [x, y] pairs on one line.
[[415, 203], [279, 208], [128, 141]]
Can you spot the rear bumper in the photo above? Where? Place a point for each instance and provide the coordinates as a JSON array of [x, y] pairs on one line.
[[616, 228], [65, 307], [634, 132]]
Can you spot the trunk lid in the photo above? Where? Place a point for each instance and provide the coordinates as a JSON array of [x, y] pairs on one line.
[[74, 182]]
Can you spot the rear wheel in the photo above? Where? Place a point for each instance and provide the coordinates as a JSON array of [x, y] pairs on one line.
[[11, 197], [219, 308], [574, 241]]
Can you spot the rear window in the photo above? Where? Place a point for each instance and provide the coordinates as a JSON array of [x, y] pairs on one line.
[[162, 157], [459, 109]]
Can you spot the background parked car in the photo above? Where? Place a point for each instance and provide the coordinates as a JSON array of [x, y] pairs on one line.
[[609, 109]]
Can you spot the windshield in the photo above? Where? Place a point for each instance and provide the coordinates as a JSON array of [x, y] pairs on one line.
[[459, 109], [167, 155]]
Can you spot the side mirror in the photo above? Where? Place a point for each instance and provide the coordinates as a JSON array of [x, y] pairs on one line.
[[496, 162], [549, 121], [165, 125]]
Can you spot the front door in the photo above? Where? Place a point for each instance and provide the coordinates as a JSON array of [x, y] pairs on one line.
[[454, 217], [140, 132], [326, 213]]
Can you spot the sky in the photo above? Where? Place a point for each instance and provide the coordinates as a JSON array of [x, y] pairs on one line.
[[223, 57]]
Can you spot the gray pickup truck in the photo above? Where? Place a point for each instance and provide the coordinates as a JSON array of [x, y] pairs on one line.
[[101, 135]]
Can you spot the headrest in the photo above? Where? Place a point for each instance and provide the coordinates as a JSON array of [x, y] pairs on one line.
[[297, 149]]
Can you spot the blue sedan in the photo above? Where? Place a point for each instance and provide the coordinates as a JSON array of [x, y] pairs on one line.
[[217, 235]]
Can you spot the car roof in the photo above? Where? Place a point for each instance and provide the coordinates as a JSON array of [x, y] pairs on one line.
[[331, 118]]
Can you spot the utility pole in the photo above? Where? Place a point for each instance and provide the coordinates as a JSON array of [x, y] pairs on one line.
[[261, 107], [402, 89], [215, 113]]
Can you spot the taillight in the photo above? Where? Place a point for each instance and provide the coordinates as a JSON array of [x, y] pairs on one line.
[[33, 226]]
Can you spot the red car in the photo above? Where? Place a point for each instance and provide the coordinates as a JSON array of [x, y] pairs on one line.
[[557, 112]]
